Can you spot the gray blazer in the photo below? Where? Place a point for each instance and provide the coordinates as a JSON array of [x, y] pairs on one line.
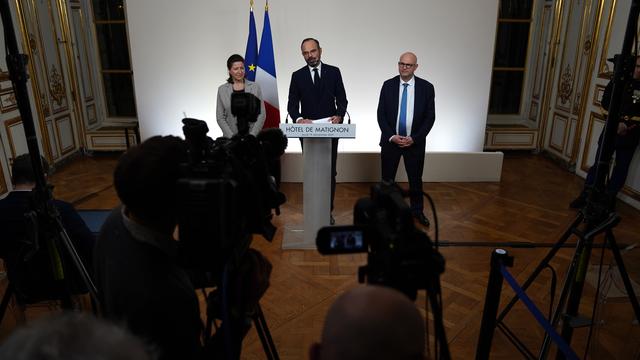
[[227, 121]]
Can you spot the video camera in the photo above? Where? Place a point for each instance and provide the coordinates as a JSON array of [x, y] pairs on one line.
[[226, 192], [399, 255]]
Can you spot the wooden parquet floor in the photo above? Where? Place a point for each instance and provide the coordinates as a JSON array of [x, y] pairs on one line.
[[529, 206]]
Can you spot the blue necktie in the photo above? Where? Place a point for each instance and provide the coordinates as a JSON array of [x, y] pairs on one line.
[[402, 122]]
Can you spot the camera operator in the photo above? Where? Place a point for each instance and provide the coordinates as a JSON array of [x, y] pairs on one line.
[[626, 141], [371, 322], [141, 278], [29, 283]]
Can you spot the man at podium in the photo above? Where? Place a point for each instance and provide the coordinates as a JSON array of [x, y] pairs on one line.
[[317, 93]]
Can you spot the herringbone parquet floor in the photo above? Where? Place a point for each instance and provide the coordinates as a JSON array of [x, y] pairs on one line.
[[527, 208]]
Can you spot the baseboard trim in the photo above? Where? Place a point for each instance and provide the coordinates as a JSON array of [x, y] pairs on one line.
[[439, 167]]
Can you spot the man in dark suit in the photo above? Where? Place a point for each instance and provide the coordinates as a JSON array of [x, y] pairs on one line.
[[406, 113], [317, 92], [14, 227]]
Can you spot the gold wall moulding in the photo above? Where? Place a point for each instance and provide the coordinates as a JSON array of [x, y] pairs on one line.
[[565, 87]]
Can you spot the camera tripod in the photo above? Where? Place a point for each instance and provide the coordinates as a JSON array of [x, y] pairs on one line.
[[595, 218]]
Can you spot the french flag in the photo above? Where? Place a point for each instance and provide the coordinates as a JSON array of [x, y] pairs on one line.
[[266, 74]]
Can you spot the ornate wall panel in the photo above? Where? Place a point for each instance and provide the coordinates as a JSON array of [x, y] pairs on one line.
[[597, 95], [591, 15], [533, 110], [559, 127], [40, 20], [540, 60], [569, 58], [64, 132], [572, 131], [8, 101], [55, 71], [92, 116], [605, 69], [595, 125], [55, 154], [83, 59], [15, 135]]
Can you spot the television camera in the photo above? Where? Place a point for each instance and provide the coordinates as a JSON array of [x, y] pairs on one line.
[[226, 192]]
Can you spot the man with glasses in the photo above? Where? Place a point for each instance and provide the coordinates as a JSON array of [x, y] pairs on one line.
[[317, 92], [406, 113]]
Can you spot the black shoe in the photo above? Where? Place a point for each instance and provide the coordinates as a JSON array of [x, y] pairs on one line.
[[422, 219], [579, 202], [332, 221]]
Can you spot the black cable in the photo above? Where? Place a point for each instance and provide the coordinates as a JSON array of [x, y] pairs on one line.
[[435, 219]]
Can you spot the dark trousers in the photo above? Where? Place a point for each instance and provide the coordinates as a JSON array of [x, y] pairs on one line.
[[334, 172], [625, 147], [413, 156]]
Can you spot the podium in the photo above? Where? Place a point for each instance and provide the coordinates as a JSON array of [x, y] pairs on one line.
[[316, 179]]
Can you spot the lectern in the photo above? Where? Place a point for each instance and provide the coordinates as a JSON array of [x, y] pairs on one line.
[[317, 178]]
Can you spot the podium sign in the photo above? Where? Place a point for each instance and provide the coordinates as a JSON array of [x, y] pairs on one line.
[[323, 130], [317, 178]]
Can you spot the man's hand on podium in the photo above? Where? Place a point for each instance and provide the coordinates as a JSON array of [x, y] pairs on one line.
[[304, 121], [336, 119]]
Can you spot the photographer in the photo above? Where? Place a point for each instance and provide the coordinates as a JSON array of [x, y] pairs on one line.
[[626, 140], [30, 284], [141, 280]]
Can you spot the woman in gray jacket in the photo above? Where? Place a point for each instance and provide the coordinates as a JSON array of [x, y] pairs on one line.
[[237, 83]]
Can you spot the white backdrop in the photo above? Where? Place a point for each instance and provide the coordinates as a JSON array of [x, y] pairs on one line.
[[179, 51]]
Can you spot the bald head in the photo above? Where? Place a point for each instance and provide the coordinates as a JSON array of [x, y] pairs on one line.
[[407, 65], [372, 322]]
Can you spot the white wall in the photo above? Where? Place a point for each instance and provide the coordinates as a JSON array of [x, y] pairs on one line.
[[179, 51]]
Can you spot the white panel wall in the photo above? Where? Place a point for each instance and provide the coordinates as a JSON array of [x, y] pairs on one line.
[[179, 51]]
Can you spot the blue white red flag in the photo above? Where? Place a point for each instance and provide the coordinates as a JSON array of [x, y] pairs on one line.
[[266, 74]]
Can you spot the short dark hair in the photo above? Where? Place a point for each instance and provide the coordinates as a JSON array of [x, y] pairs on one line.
[[145, 179], [233, 58], [22, 171], [310, 39]]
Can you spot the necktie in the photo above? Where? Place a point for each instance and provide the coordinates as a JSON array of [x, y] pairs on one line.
[[316, 77], [402, 121]]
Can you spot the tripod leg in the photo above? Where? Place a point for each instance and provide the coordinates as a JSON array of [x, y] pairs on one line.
[[582, 256], [265, 335], [552, 252], [562, 300], [623, 273]]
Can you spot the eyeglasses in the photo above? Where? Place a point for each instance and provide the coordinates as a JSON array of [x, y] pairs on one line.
[[405, 65]]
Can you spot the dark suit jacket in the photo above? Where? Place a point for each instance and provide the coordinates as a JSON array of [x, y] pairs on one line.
[[140, 284], [424, 113], [311, 102]]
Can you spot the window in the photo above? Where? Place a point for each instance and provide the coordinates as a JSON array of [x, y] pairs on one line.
[[115, 65], [510, 57]]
